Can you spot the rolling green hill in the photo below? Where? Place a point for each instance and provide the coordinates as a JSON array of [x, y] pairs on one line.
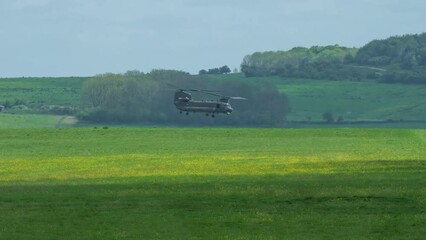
[[353, 100], [36, 92], [308, 99]]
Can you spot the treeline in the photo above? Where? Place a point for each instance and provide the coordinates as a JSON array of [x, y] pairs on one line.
[[136, 97], [315, 62], [404, 57], [219, 70], [396, 59], [407, 52]]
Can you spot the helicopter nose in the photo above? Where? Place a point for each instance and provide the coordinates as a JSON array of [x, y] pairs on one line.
[[229, 109]]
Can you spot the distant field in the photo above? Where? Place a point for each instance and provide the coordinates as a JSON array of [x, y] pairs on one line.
[[34, 121], [172, 183], [309, 99], [42, 91]]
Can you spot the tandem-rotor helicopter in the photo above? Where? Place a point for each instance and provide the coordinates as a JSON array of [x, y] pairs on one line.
[[184, 102]]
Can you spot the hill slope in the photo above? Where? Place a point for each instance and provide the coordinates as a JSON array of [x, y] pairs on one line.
[[37, 92], [308, 99], [353, 100]]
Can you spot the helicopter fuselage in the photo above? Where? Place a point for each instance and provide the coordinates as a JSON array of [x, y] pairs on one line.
[[189, 105], [184, 102]]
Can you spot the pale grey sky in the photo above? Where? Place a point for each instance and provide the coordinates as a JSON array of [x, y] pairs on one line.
[[88, 37]]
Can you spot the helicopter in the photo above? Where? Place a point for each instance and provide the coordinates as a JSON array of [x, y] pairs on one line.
[[184, 103]]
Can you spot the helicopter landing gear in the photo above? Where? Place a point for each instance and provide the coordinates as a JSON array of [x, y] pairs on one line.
[[187, 113], [207, 114], [180, 112], [212, 115]]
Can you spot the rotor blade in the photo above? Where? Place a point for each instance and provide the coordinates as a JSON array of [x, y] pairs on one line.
[[238, 98], [213, 94], [201, 90]]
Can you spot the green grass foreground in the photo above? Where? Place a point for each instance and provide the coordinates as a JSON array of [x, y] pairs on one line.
[[212, 184]]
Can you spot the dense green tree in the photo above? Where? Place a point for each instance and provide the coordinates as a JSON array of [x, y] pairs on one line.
[[219, 70], [213, 71], [224, 69], [146, 98], [99, 91], [202, 72]]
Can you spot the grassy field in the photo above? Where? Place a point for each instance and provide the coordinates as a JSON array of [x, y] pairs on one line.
[[34, 121], [151, 183], [308, 99], [42, 91], [396, 105]]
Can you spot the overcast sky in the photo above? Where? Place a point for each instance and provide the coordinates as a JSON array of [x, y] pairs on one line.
[[88, 37]]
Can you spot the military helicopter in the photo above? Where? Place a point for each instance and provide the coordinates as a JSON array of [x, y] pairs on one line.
[[184, 102]]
